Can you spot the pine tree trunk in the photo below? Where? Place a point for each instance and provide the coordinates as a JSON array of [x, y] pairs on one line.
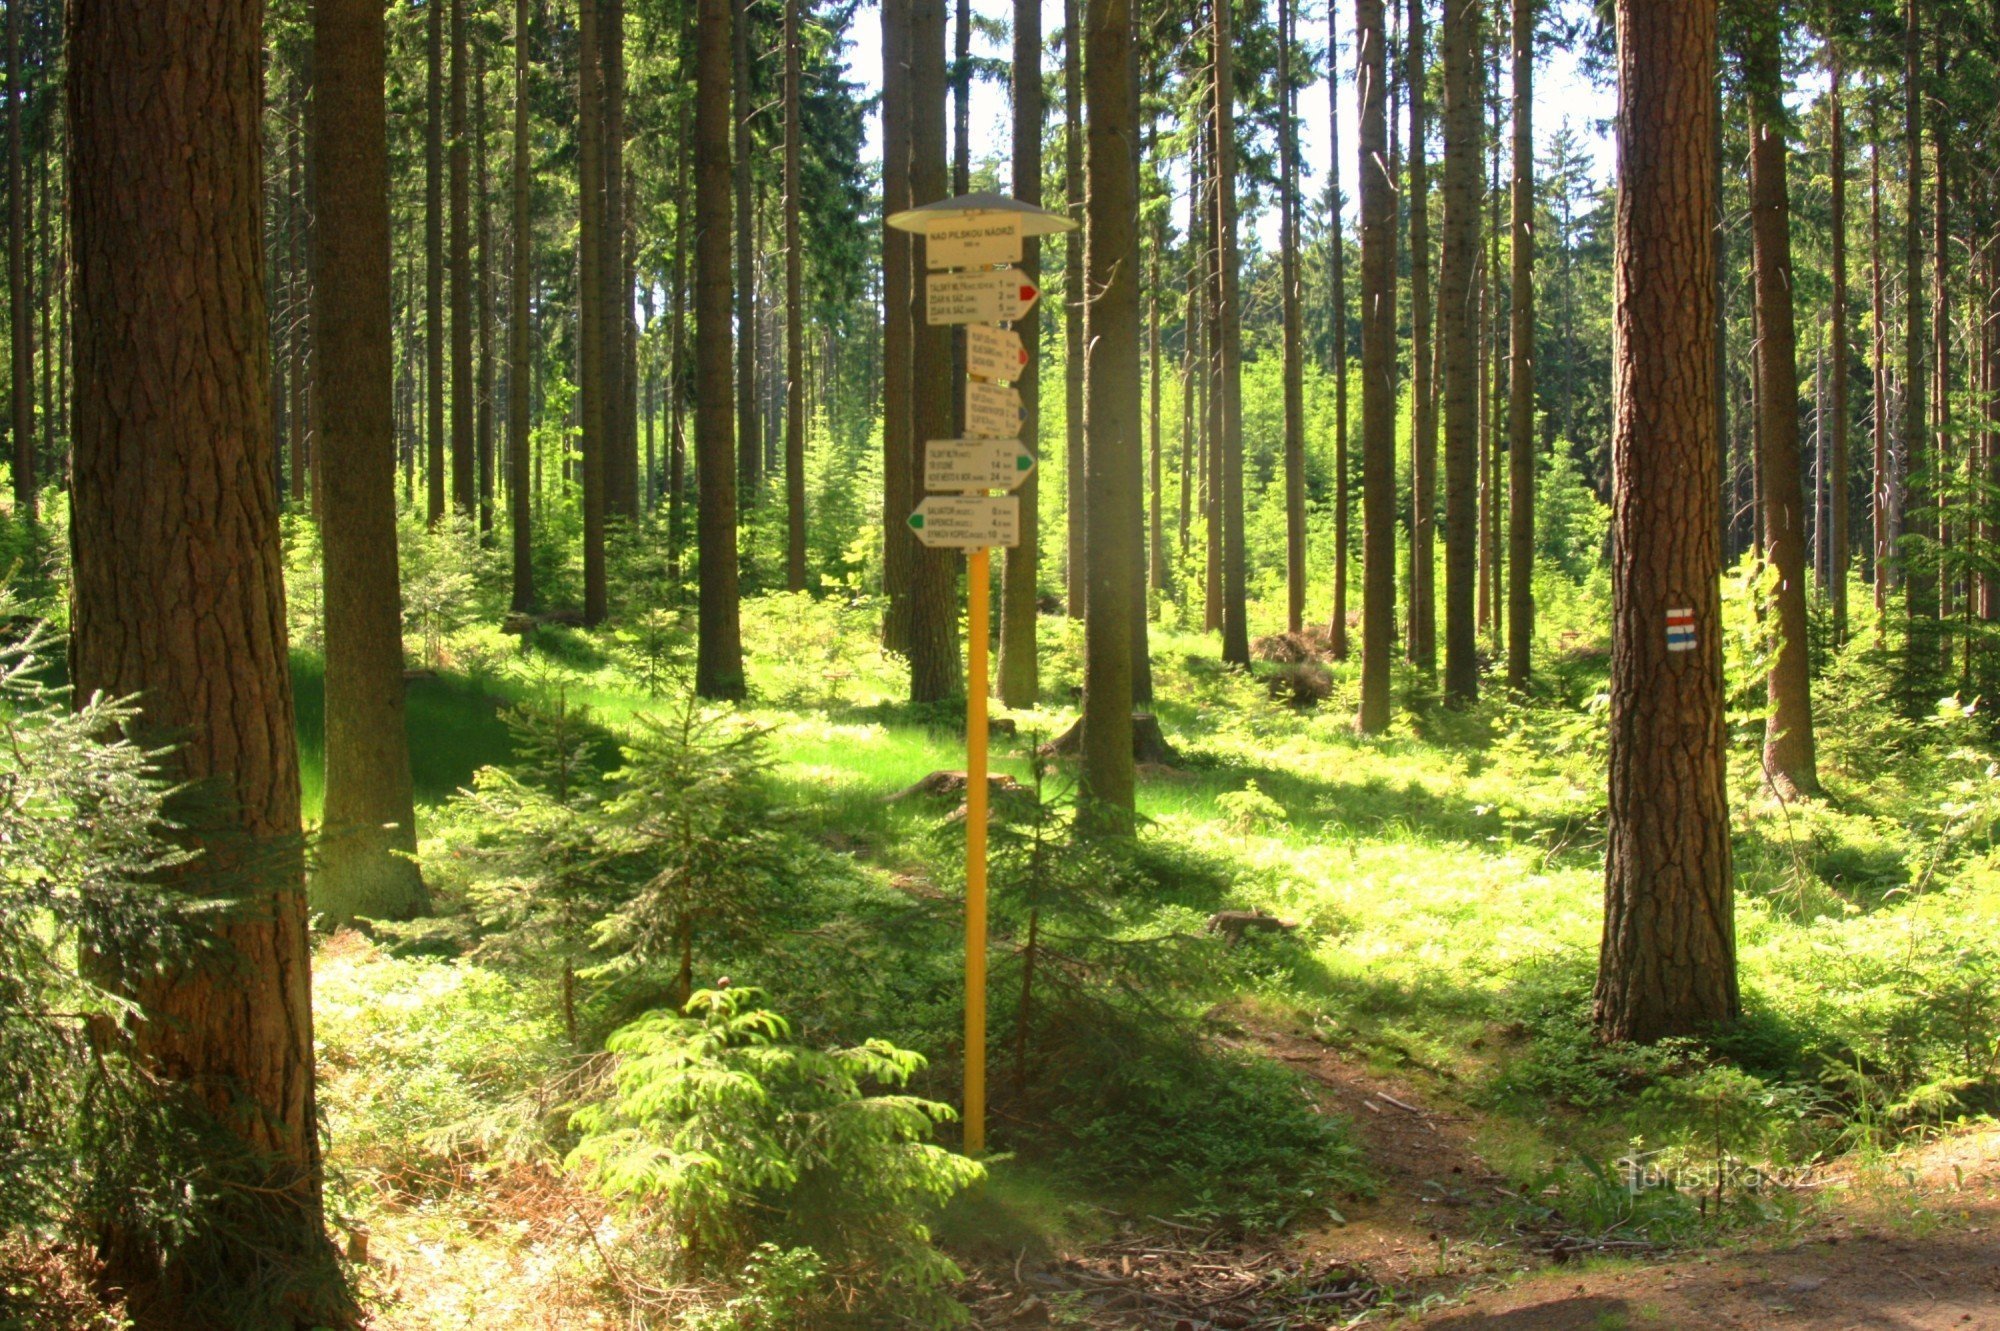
[[1293, 351], [1229, 325], [1378, 370], [899, 497], [1837, 516], [1917, 572], [298, 316], [749, 439], [483, 284], [1337, 232], [178, 599], [933, 648], [1423, 355], [434, 255], [1111, 275], [719, 647], [1881, 485], [621, 457], [795, 333], [1020, 672], [1073, 300], [1668, 964], [1458, 336], [1521, 363], [1158, 579], [367, 867], [519, 485], [21, 326], [464, 478], [590, 321], [1788, 742]]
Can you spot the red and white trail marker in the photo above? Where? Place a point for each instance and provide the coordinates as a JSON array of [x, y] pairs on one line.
[[1680, 630], [997, 297]]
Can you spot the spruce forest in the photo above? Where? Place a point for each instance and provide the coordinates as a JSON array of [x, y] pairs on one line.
[[1214, 665]]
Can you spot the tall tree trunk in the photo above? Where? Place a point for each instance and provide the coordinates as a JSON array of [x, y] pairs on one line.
[[1020, 673], [296, 313], [483, 283], [621, 457], [21, 326], [518, 375], [1229, 322], [1378, 370], [178, 599], [1918, 574], [1881, 485], [934, 660], [719, 647], [749, 437], [961, 98], [899, 487], [592, 387], [1293, 351], [795, 333], [1788, 742], [464, 478], [1458, 334], [1521, 363], [1158, 577], [1112, 277], [434, 204], [1668, 963], [1074, 296], [367, 866], [1837, 517], [1337, 234], [1423, 355]]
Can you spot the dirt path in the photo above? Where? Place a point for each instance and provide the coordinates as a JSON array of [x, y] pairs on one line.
[[1911, 1246]]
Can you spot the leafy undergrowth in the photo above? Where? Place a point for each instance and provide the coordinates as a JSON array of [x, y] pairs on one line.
[[1445, 886]]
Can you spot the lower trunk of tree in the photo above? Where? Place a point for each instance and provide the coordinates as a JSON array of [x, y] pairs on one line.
[[1020, 673], [1378, 372], [175, 526], [719, 646], [1458, 333], [795, 333], [899, 490], [518, 374], [1521, 364], [1075, 564], [1668, 962]]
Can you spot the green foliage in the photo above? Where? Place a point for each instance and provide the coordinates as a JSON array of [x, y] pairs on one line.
[[449, 578], [727, 1137]]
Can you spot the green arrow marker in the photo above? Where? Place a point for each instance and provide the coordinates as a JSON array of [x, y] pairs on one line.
[[1024, 462], [916, 522]]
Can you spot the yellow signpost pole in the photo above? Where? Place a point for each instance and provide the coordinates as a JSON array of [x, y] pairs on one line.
[[978, 574]]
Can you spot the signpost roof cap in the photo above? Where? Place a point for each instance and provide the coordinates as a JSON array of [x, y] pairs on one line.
[[1034, 221]]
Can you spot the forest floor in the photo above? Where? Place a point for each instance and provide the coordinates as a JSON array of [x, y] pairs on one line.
[[1445, 883]]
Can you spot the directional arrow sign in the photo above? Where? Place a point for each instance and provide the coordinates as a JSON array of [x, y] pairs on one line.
[[973, 241], [976, 464], [977, 298], [994, 353], [970, 523], [992, 411]]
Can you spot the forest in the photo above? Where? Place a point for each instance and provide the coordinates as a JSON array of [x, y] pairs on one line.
[[1215, 665]]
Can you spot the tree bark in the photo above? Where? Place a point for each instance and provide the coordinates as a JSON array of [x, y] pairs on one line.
[[1837, 514], [899, 489], [795, 333], [1337, 232], [1423, 355], [178, 598], [1918, 573], [1293, 351], [749, 438], [1020, 673], [1521, 364], [464, 480], [621, 439], [21, 324], [1881, 486], [934, 661], [592, 388], [1668, 963], [1458, 333], [483, 285], [519, 489], [719, 649], [1073, 300], [1788, 740], [434, 256], [1378, 370], [1229, 325], [366, 862], [1111, 275]]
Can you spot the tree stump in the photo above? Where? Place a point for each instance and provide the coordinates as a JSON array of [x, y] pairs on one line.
[[1149, 742]]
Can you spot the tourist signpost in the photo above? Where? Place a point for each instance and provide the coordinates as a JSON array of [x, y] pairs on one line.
[[976, 235]]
